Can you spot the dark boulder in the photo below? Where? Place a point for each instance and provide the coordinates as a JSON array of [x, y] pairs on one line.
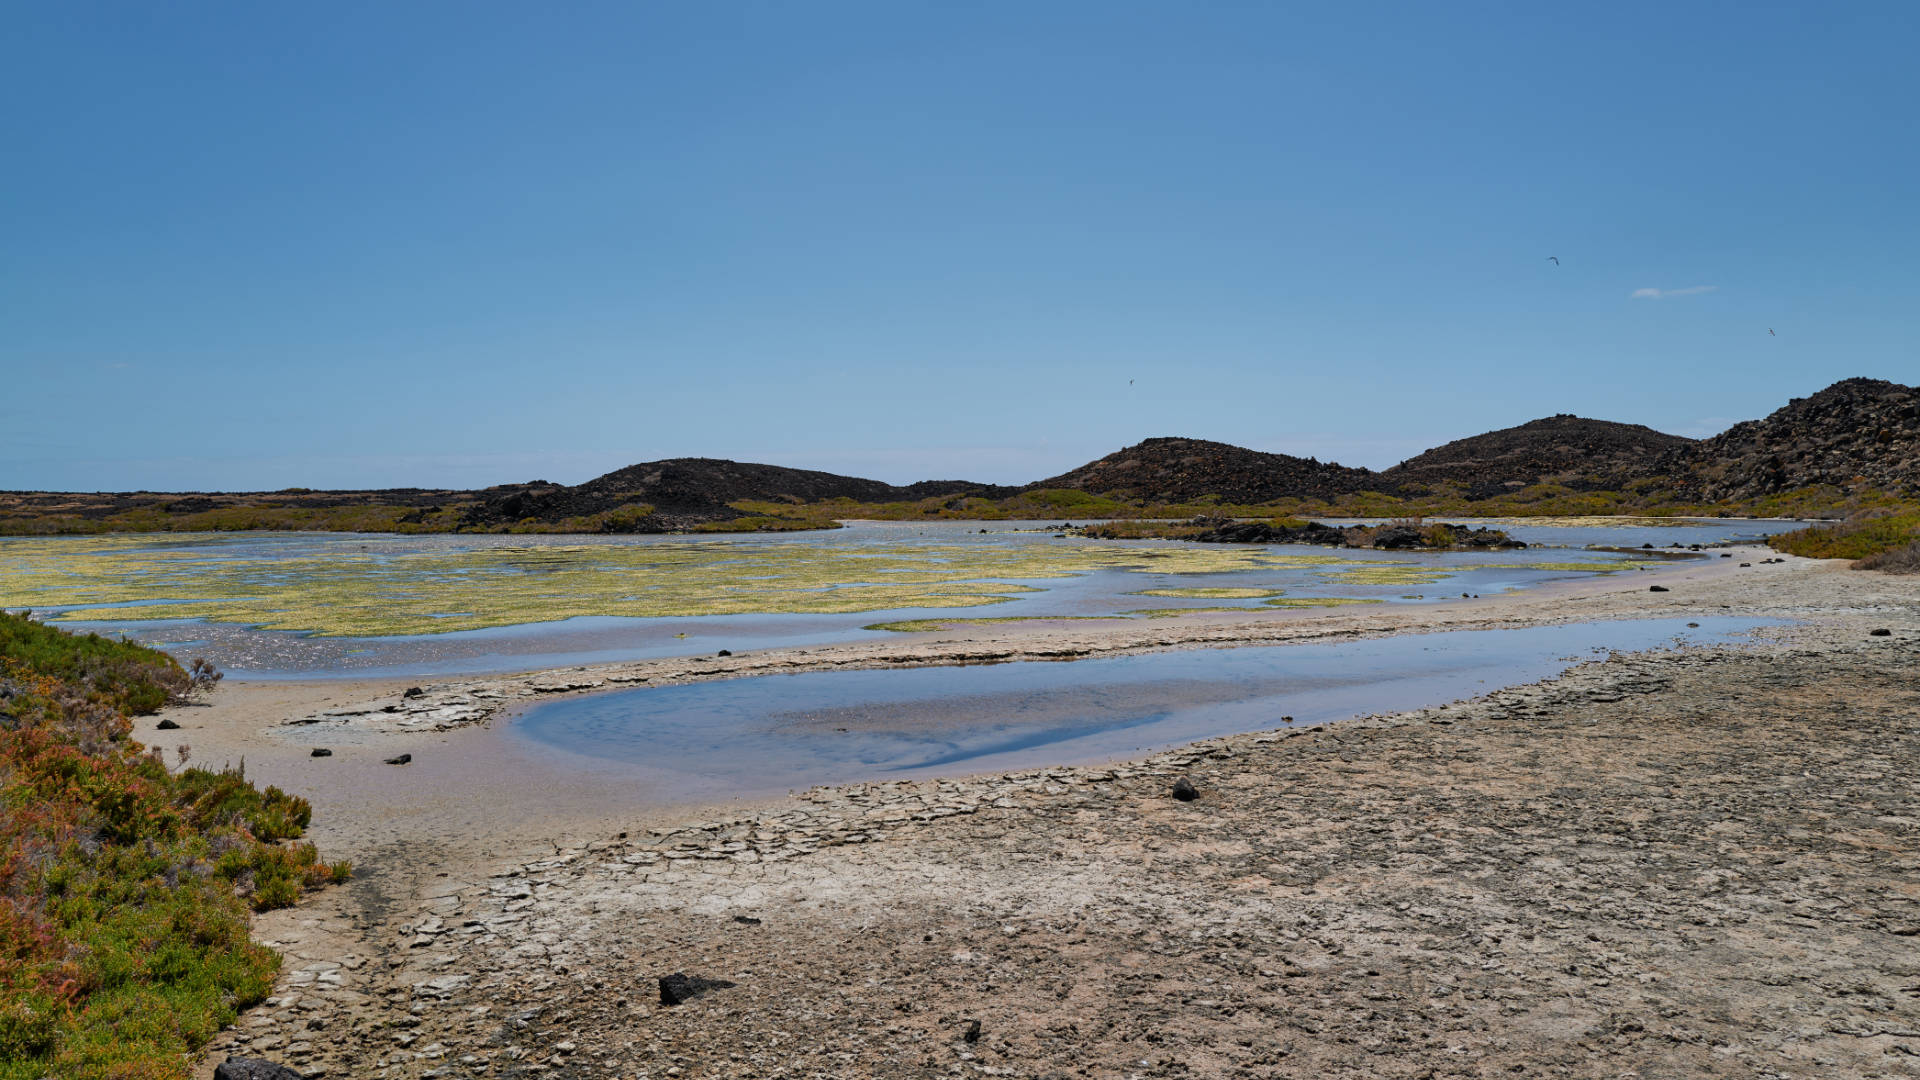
[[1880, 633], [321, 751], [1184, 790], [167, 725], [413, 691], [1263, 532], [401, 760], [1658, 588], [1399, 538], [253, 1069], [679, 988]]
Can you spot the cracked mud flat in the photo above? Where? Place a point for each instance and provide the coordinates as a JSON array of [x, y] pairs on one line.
[[1686, 864]]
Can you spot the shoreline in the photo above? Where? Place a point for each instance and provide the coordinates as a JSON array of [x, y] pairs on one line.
[[427, 924], [457, 728]]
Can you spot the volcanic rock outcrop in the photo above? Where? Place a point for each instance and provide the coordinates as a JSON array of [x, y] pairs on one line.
[[1172, 470], [1856, 435], [1582, 454]]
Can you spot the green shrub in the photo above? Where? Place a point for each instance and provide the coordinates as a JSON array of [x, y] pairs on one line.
[[1859, 537], [124, 888]]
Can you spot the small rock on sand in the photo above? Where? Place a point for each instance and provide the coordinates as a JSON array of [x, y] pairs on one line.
[[679, 987]]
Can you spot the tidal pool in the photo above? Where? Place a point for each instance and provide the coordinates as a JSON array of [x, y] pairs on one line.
[[772, 733], [304, 605]]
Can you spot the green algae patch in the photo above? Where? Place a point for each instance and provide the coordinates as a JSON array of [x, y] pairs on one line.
[[1320, 601], [921, 626], [1210, 594], [1176, 612], [375, 590], [1390, 574]]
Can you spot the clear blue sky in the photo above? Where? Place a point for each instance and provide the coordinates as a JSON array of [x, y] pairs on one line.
[[333, 244]]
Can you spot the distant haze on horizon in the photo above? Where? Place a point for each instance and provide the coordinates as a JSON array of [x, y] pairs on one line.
[[439, 245]]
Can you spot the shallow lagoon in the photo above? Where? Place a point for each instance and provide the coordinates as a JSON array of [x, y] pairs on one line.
[[318, 605], [771, 733]]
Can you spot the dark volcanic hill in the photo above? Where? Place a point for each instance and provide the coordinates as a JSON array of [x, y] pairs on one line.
[[1184, 470], [1856, 434], [686, 491], [1583, 454]]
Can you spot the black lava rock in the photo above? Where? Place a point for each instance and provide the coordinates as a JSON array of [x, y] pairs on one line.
[[724, 652], [1880, 633], [413, 691], [167, 725], [1658, 588], [253, 1069], [401, 760], [1184, 790], [678, 988], [321, 751]]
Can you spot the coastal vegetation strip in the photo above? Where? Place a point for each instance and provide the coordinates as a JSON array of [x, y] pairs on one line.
[[1877, 541], [1531, 503], [124, 885]]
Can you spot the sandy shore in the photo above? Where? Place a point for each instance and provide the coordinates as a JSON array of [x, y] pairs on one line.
[[1695, 863]]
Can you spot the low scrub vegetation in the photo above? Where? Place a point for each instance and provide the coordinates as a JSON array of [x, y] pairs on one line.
[[1870, 535], [124, 887], [1901, 560], [1646, 499]]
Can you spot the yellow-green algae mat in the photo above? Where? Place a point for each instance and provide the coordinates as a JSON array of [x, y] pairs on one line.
[[357, 593]]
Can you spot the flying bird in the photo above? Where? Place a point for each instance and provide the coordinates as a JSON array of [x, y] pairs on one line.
[[1770, 332], [1555, 258]]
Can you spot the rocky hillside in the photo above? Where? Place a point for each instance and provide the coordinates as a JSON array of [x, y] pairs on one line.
[[1857, 434], [685, 491], [1184, 470], [1583, 454]]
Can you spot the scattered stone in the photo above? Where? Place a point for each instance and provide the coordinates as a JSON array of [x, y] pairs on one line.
[[973, 1031], [253, 1069], [413, 692], [401, 760], [321, 751], [724, 652], [746, 920], [167, 725], [1658, 588], [1184, 790], [679, 988], [1880, 633]]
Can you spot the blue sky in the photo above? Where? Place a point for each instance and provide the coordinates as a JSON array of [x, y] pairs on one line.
[[338, 245]]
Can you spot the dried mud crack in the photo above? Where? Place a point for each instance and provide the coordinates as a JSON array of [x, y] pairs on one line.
[[1694, 863]]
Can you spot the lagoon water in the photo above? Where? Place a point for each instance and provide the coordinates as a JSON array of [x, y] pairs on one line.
[[771, 733], [157, 572]]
